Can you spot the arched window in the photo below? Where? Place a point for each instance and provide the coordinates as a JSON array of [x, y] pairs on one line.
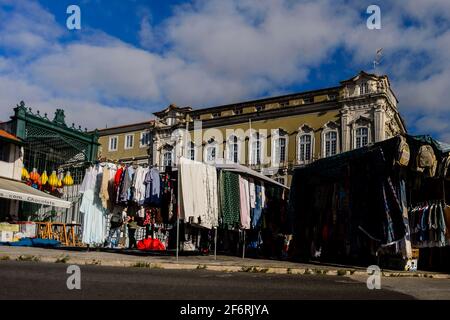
[[211, 151], [361, 137], [330, 143], [256, 149], [233, 149], [279, 150], [305, 148]]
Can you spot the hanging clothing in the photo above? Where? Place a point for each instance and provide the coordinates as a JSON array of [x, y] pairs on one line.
[[152, 183], [139, 185], [213, 196], [89, 180], [244, 194], [118, 178], [252, 193], [94, 215], [118, 182], [428, 225], [263, 195], [199, 193], [104, 192], [125, 187], [229, 199], [257, 211]]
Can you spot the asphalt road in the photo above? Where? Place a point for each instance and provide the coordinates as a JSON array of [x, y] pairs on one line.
[[31, 280]]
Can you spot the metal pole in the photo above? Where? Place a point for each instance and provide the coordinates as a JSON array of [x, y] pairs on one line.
[[243, 247], [215, 245], [178, 213]]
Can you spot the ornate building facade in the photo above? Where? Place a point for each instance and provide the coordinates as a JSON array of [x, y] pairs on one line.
[[275, 134]]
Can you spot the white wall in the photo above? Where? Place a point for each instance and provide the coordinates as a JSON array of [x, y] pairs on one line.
[[13, 168]]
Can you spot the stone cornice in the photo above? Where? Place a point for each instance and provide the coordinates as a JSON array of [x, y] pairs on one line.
[[270, 114]]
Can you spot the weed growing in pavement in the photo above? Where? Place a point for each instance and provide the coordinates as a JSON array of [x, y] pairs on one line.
[[94, 262], [28, 258], [201, 267], [141, 265], [62, 259], [254, 270], [341, 272], [319, 271]]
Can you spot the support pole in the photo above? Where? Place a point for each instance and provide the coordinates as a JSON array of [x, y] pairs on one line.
[[178, 213], [215, 244], [243, 247]]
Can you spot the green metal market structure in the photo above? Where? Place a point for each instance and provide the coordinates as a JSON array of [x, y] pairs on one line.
[[51, 145]]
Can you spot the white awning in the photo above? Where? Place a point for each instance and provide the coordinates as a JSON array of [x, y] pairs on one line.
[[16, 190], [238, 168]]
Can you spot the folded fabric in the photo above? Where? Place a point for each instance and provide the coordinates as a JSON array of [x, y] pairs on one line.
[[150, 244], [28, 242]]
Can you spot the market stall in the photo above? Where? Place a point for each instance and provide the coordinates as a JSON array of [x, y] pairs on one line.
[[194, 207], [353, 207]]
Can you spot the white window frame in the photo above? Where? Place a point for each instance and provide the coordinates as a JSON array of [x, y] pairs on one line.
[[299, 145], [230, 152], [166, 150], [190, 148], [277, 136], [142, 145], [363, 88], [355, 136], [109, 143], [255, 137], [126, 147], [211, 146], [324, 142]]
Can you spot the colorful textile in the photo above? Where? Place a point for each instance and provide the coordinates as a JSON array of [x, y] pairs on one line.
[[150, 244], [199, 203], [244, 195], [230, 199]]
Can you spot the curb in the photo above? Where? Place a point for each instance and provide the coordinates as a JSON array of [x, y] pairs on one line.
[[66, 259]]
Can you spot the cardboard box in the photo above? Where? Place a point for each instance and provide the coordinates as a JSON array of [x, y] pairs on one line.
[[6, 236], [28, 229], [9, 227]]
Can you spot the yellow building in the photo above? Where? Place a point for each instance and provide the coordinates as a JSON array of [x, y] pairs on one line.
[[275, 134], [127, 144]]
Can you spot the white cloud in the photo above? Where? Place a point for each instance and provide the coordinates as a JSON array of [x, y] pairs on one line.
[[222, 51]]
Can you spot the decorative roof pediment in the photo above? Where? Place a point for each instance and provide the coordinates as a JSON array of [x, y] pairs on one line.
[[172, 109], [362, 121], [360, 75], [331, 125], [280, 132], [305, 128]]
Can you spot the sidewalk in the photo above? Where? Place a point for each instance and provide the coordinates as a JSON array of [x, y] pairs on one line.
[[223, 263]]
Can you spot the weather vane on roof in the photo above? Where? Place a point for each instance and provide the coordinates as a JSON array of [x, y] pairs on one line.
[[378, 58]]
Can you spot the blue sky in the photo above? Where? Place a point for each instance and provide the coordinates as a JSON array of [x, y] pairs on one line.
[[132, 58]]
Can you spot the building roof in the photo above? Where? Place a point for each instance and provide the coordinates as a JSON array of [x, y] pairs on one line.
[[9, 137], [267, 100], [125, 128], [174, 107]]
